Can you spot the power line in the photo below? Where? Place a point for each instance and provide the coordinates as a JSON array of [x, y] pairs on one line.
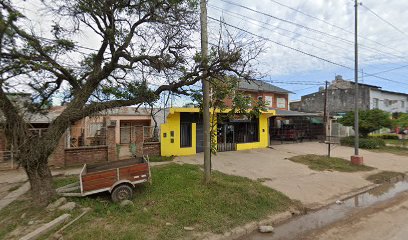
[[332, 25], [383, 78], [393, 69], [311, 29], [384, 20], [291, 83], [302, 52], [286, 21], [298, 90], [281, 44], [243, 17]]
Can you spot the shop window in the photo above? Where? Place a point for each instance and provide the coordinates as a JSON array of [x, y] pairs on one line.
[[246, 132], [185, 135]]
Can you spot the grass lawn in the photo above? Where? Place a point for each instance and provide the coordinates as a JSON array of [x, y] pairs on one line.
[[177, 196], [161, 158], [322, 163], [399, 142], [402, 151], [384, 176]]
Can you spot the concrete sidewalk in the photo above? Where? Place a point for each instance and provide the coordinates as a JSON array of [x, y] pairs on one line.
[[13, 178], [312, 188]]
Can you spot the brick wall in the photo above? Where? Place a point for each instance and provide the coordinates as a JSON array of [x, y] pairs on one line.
[[111, 143], [255, 95], [92, 154], [151, 149], [57, 158], [138, 140]]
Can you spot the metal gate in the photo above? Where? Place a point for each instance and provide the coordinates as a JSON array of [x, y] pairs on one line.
[[224, 147], [199, 137]]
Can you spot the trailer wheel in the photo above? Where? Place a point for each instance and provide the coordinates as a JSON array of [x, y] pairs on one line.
[[122, 192]]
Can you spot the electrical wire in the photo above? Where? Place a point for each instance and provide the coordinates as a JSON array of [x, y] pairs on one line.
[[384, 20], [302, 52], [311, 29], [281, 44], [333, 25], [243, 17]]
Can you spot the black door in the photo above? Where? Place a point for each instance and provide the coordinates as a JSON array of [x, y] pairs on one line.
[[199, 138]]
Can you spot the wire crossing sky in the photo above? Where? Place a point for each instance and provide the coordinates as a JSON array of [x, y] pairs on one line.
[[306, 42], [321, 32]]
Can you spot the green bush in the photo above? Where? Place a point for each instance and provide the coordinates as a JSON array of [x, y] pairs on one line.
[[366, 143], [384, 136]]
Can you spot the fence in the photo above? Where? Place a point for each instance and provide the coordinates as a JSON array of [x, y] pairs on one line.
[[151, 134], [82, 137], [337, 129], [7, 160]]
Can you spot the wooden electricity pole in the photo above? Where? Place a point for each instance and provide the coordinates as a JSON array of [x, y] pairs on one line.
[[206, 92]]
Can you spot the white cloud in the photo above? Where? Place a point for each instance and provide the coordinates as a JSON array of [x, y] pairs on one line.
[[339, 13], [277, 60]]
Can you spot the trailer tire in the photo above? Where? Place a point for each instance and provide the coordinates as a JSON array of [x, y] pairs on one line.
[[122, 192]]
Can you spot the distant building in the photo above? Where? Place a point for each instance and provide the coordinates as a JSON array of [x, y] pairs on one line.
[[274, 97], [341, 95]]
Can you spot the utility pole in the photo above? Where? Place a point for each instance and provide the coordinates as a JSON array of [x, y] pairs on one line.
[[206, 92], [326, 120], [325, 110], [356, 159]]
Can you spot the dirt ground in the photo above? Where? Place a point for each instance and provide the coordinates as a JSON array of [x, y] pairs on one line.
[[5, 188], [385, 221], [312, 188]]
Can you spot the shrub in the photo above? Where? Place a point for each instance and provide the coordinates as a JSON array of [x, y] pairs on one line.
[[366, 143], [384, 136]]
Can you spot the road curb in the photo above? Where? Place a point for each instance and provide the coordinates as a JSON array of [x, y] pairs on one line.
[[241, 231], [276, 219]]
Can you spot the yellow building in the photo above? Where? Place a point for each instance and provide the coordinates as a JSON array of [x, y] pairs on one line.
[[182, 134]]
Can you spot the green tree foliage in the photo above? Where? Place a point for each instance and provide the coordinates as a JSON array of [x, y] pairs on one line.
[[370, 120], [401, 121], [136, 43]]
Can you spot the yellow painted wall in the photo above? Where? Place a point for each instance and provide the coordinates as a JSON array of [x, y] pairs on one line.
[[173, 149], [173, 124], [263, 136]]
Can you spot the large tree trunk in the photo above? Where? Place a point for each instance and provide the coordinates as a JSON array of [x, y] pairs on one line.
[[40, 178]]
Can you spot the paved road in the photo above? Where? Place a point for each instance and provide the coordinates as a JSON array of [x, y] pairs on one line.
[[388, 220]]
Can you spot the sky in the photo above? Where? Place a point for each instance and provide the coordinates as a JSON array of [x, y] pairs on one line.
[[325, 29], [308, 42]]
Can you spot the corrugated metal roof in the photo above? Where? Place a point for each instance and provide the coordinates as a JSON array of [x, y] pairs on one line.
[[258, 85]]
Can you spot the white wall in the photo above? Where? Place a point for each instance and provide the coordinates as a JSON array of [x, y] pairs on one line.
[[394, 101]]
